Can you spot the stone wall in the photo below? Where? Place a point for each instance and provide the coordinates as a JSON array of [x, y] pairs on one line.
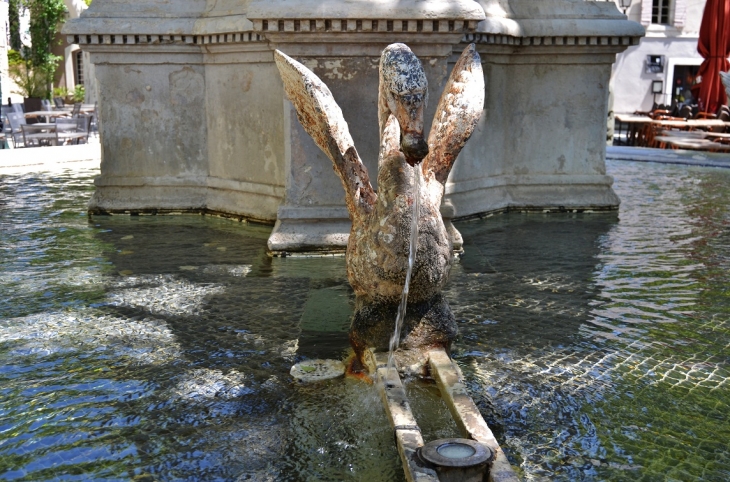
[[193, 115]]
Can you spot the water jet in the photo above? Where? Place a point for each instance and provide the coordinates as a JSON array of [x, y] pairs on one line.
[[398, 232]]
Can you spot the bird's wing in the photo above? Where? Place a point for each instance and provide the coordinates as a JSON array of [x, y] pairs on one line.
[[322, 119], [457, 114]]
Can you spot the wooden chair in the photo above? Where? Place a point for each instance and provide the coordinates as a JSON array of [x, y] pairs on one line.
[[685, 112], [724, 115], [660, 113], [705, 115]]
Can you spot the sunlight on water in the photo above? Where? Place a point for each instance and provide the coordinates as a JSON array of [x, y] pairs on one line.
[[159, 347]]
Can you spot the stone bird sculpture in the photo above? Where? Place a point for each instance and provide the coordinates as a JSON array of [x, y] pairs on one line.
[[378, 247]]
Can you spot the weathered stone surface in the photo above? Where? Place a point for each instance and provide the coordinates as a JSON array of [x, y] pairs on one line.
[[405, 9], [378, 247], [239, 149], [427, 324], [322, 118], [467, 416]]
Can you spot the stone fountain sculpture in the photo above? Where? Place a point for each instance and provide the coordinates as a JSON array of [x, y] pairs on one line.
[[378, 247]]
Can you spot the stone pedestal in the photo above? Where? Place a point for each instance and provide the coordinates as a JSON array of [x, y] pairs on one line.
[[193, 115], [190, 109], [540, 144], [341, 44]]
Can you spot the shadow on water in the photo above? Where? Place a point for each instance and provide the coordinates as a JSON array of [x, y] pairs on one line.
[[527, 279], [240, 320], [302, 303]]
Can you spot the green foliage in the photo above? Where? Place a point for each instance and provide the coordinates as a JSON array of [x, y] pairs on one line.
[[45, 19], [88, 3], [14, 57], [32, 81], [61, 92], [14, 9], [79, 93], [32, 67]]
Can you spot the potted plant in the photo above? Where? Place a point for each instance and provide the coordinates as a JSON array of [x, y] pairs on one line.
[[79, 93], [32, 82], [62, 93], [33, 67]]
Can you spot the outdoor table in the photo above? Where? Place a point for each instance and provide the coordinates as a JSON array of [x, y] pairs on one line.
[[685, 134], [85, 108], [47, 132], [45, 113], [708, 123], [718, 135], [634, 125], [645, 129], [694, 144]]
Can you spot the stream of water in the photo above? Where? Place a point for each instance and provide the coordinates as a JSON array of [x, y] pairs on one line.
[[412, 248]]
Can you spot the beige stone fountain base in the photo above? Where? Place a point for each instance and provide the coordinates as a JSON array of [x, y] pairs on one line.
[[449, 379]]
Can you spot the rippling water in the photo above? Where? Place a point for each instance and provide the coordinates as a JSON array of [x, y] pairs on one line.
[[158, 348]]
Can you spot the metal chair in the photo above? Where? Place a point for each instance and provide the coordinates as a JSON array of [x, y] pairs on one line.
[[83, 122], [71, 131], [16, 122], [58, 102], [94, 123], [36, 136], [4, 111], [76, 110]]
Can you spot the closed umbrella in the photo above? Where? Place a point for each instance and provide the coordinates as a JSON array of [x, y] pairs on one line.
[[714, 46]]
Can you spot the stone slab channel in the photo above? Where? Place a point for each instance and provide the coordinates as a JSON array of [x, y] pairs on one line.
[[408, 437]]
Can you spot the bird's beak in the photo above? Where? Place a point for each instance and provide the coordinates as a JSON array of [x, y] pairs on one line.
[[409, 112]]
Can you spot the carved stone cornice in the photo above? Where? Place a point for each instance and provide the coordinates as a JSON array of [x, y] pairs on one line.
[[555, 23], [350, 25], [155, 23], [513, 23], [588, 40], [124, 39]]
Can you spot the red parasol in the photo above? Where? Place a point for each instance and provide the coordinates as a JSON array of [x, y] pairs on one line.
[[714, 46]]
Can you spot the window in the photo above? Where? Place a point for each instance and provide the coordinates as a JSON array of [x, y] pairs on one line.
[[660, 10], [79, 67], [664, 12]]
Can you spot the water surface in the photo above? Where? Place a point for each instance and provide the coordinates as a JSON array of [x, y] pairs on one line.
[[159, 347]]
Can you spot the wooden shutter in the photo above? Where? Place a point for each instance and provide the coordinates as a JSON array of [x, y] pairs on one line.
[[646, 6], [680, 13]]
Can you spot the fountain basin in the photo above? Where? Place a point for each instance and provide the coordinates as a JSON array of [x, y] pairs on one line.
[[161, 345]]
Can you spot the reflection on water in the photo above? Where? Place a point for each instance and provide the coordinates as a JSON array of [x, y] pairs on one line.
[[158, 348]]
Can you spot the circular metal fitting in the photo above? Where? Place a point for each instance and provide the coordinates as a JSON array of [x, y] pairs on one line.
[[455, 452]]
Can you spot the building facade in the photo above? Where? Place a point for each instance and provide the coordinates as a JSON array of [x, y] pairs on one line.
[[661, 69], [74, 68]]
